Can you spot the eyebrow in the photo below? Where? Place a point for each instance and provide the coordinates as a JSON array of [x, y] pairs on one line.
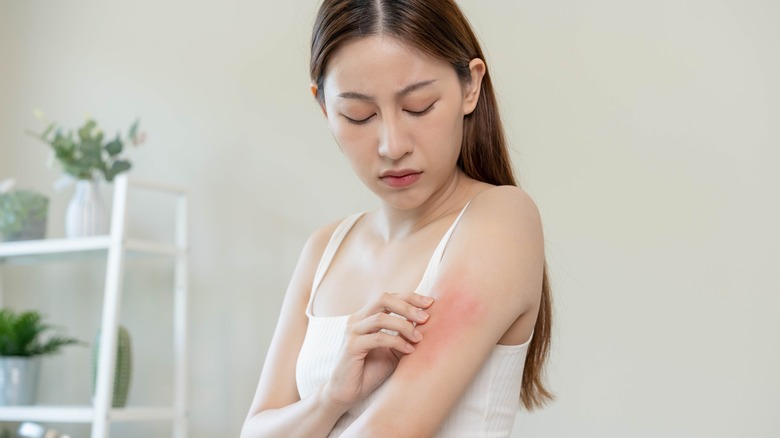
[[408, 89]]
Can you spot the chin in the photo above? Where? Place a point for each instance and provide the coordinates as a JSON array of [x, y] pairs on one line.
[[402, 200]]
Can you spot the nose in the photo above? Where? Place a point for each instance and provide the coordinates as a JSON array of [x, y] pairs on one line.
[[394, 141]]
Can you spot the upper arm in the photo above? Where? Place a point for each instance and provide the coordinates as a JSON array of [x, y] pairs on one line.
[[490, 274], [277, 386]]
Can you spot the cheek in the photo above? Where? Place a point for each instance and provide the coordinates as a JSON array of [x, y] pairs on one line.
[[356, 144], [347, 136], [444, 130], [455, 125]]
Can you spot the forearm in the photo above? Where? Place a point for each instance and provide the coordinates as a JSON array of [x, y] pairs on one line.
[[314, 416]]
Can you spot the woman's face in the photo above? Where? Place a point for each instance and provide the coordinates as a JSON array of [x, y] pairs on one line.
[[397, 115]]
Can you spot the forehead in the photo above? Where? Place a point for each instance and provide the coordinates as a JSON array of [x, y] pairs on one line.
[[376, 63]]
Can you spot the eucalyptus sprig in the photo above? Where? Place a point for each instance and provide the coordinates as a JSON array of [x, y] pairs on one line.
[[88, 152]]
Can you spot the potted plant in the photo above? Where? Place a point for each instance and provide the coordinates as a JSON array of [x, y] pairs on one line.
[[23, 215], [86, 157], [21, 347]]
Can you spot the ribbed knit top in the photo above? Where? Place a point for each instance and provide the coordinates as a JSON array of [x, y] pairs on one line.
[[486, 409]]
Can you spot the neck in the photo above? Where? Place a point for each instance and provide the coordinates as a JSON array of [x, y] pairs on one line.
[[394, 223]]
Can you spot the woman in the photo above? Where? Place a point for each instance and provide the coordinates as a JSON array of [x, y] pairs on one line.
[[359, 351]]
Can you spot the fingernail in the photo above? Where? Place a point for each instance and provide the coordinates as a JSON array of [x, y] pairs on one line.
[[422, 315], [417, 335], [427, 300], [409, 348]]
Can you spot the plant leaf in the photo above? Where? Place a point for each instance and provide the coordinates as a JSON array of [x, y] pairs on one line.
[[114, 147], [47, 130], [85, 132], [117, 167], [20, 335], [134, 129]]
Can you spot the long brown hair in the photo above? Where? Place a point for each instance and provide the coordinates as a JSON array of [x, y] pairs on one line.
[[439, 29]]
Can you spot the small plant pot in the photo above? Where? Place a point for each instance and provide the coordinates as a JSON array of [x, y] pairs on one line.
[[18, 380], [35, 229], [23, 215]]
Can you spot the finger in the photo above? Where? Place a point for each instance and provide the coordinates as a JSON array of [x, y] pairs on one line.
[[417, 300], [404, 305], [365, 343], [383, 321]]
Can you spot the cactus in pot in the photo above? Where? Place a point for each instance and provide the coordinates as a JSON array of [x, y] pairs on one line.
[[122, 370]]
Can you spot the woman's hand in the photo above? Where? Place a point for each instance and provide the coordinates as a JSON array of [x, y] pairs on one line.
[[369, 354]]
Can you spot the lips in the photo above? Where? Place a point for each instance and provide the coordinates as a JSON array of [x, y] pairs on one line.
[[398, 173], [400, 178]]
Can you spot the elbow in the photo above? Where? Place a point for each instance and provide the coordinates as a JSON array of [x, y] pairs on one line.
[[245, 433], [250, 427]]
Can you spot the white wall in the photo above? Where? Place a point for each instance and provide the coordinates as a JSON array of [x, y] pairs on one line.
[[647, 133]]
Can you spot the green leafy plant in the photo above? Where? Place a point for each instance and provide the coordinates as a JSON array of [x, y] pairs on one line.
[[23, 214], [89, 151], [22, 335]]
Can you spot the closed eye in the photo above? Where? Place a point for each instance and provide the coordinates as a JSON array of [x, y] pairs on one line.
[[423, 112], [359, 122]]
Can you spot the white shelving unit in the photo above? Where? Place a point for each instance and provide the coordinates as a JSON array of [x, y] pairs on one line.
[[115, 247]]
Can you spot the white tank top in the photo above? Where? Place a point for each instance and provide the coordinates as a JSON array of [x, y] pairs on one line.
[[486, 409]]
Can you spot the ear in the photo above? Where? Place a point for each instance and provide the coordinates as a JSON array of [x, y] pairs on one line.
[[474, 87], [314, 91]]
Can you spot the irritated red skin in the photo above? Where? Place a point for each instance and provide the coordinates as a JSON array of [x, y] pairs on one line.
[[456, 315], [453, 313]]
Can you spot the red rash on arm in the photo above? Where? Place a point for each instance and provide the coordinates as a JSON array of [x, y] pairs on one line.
[[453, 314], [457, 316]]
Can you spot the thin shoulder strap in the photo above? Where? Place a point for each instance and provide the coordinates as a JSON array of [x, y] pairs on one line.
[[433, 265], [327, 256]]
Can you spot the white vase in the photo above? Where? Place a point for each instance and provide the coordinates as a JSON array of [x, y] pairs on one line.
[[86, 215]]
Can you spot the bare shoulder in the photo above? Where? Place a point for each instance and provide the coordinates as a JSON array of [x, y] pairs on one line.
[[318, 240], [507, 208], [499, 241], [310, 259]]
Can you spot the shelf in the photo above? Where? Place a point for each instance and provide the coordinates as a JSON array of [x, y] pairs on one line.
[[46, 249], [115, 249], [82, 414]]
